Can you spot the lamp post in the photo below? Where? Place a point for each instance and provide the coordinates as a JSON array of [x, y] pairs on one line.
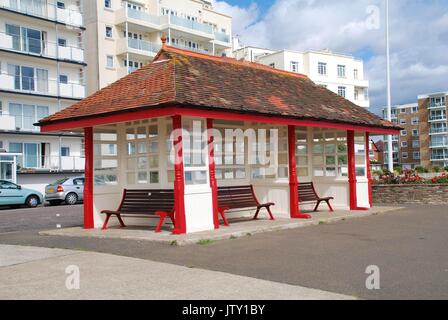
[[390, 154]]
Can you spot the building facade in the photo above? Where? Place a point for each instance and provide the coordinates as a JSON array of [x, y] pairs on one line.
[[42, 63], [406, 145], [433, 129], [122, 36], [342, 74]]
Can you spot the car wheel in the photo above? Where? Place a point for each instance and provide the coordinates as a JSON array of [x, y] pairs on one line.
[[54, 202], [32, 201], [71, 199]]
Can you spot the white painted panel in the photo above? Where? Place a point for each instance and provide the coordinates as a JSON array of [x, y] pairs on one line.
[[362, 194], [199, 211]]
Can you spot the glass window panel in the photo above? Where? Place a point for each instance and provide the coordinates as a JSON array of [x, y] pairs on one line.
[[343, 171], [131, 148], [240, 173], [318, 160], [153, 162], [153, 146], [302, 172], [142, 163], [142, 147], [330, 172], [142, 177], [342, 148], [360, 160], [302, 161], [342, 160], [141, 133], [330, 148], [360, 171], [330, 160], [282, 172], [228, 174], [318, 148], [302, 149], [130, 134], [283, 158], [318, 171], [131, 178], [154, 177], [218, 174], [301, 137]]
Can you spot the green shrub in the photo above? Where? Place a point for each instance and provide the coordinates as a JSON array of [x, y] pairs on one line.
[[398, 170], [420, 169], [436, 169]]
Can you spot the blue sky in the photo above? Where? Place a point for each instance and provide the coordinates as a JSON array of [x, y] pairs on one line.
[[419, 37]]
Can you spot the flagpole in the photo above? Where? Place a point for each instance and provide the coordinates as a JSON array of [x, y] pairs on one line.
[[389, 98]]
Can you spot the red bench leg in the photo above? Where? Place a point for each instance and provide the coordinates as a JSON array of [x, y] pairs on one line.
[[106, 222], [270, 213], [122, 225], [162, 219], [329, 205], [224, 219], [256, 213]]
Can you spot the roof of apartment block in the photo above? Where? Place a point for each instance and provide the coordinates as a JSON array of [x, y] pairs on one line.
[[188, 79]]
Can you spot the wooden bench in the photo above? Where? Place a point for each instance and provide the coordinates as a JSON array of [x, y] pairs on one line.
[[307, 193], [240, 197], [144, 203]]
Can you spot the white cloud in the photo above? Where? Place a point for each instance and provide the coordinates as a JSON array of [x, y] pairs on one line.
[[419, 38]]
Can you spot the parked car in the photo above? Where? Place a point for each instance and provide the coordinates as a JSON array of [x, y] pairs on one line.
[[68, 190], [12, 194]]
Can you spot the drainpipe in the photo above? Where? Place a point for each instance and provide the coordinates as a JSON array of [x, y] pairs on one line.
[[127, 37], [59, 153]]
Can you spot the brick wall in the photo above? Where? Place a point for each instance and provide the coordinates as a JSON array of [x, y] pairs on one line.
[[405, 194]]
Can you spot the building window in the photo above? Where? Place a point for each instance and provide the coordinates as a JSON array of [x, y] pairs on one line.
[[404, 155], [415, 121], [60, 5], [403, 133], [402, 110], [402, 121], [62, 42], [355, 74], [108, 4], [404, 144], [294, 66], [65, 152], [341, 71], [63, 78], [415, 109], [341, 91], [109, 61], [356, 94], [272, 65], [322, 68], [26, 115], [415, 132], [108, 32], [415, 143], [416, 155]]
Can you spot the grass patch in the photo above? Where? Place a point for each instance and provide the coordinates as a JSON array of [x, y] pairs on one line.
[[322, 222], [173, 243], [232, 237], [249, 234], [204, 242]]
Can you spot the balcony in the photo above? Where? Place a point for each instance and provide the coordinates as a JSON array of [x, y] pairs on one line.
[[190, 25], [37, 86], [439, 157], [49, 11], [40, 48], [50, 163], [439, 144], [438, 130], [223, 37], [191, 48], [437, 105], [138, 47], [434, 118]]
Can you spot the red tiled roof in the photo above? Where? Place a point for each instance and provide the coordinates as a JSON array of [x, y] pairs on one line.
[[184, 78]]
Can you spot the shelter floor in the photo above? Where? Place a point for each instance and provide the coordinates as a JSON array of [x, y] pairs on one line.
[[239, 227]]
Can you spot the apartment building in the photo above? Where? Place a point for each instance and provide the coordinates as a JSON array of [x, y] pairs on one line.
[[424, 140], [433, 129], [406, 145], [342, 74], [42, 63], [122, 36]]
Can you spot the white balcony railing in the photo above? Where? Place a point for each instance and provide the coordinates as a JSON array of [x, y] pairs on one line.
[[50, 163], [190, 24], [191, 48], [220, 36], [436, 105], [143, 16], [7, 122], [41, 87], [38, 8], [437, 117], [40, 48], [142, 45], [438, 130]]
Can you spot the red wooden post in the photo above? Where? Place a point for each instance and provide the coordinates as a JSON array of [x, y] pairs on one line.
[[369, 173], [179, 183], [293, 181], [352, 169], [88, 180], [212, 171]]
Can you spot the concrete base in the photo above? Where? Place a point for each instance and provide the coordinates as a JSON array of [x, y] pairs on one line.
[[238, 228]]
